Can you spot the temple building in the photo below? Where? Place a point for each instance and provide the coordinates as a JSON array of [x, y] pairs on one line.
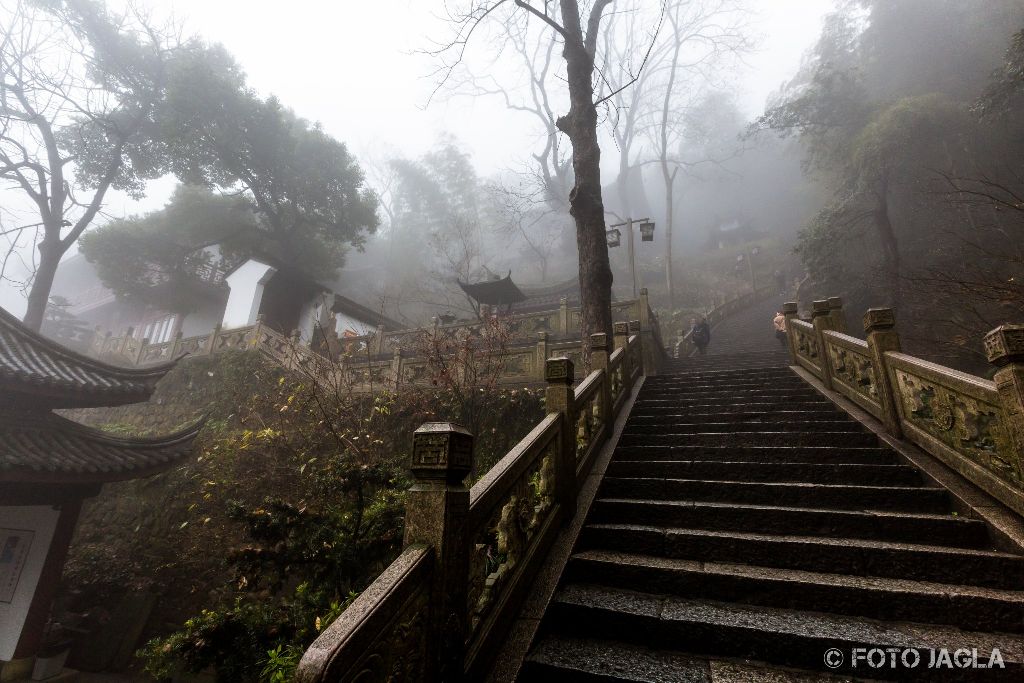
[[49, 465]]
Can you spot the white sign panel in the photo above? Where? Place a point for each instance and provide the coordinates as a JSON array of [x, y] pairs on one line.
[[25, 535]]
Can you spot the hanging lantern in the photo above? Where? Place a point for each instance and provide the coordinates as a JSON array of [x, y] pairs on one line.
[[614, 237], [647, 231]]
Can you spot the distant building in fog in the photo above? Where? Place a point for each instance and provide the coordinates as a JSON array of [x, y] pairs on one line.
[[232, 296]]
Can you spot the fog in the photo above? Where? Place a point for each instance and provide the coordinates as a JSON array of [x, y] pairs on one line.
[[371, 87]]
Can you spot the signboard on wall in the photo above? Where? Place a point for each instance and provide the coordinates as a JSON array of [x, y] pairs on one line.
[[14, 547], [25, 536]]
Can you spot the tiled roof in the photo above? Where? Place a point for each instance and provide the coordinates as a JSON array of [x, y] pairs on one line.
[[34, 365], [43, 447]]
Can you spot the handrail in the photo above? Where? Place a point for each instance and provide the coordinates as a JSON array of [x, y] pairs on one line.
[[974, 425], [488, 541], [382, 631]]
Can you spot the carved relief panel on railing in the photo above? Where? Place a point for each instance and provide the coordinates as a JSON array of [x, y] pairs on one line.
[[806, 343], [961, 420], [506, 523], [590, 420], [853, 370]]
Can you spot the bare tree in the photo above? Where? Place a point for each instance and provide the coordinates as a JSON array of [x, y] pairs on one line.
[[579, 31], [78, 92]]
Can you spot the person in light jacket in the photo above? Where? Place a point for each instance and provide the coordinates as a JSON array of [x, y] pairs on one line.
[[779, 322]]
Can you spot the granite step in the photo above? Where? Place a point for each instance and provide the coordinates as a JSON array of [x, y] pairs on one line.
[[822, 496], [669, 415], [807, 473], [759, 454], [581, 660], [889, 599], [938, 529], [753, 438], [641, 425], [853, 556], [777, 636]]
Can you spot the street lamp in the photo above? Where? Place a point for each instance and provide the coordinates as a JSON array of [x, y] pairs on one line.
[[647, 231], [646, 235]]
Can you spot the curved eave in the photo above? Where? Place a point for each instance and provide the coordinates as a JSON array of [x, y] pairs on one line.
[[55, 450], [32, 365]]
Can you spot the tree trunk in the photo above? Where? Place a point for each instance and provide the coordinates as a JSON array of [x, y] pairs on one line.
[[890, 246], [585, 202], [670, 180], [39, 295]]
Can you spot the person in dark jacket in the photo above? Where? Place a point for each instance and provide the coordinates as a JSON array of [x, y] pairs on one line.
[[700, 334]]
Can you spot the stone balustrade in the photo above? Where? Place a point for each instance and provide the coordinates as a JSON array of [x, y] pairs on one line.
[[387, 360], [972, 424], [442, 610]]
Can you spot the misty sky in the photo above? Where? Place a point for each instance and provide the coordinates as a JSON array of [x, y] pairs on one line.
[[351, 65]]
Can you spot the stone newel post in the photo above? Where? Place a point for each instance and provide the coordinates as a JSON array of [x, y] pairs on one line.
[[561, 398], [542, 353], [621, 331], [835, 308], [821, 317], [436, 512], [791, 310], [1004, 347], [599, 359], [880, 328], [563, 316]]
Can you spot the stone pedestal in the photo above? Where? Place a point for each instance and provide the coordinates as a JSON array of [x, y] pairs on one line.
[[880, 328], [1004, 348], [821, 318], [436, 511], [561, 398]]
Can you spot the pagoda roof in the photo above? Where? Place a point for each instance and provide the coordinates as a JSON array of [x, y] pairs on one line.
[[45, 448], [494, 292], [47, 373]]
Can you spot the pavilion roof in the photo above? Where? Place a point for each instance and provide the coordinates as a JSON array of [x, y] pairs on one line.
[[43, 447], [494, 292], [38, 369]]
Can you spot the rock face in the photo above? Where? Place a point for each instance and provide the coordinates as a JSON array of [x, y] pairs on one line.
[[747, 526]]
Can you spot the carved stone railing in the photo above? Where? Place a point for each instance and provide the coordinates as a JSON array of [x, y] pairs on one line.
[[390, 358], [974, 425], [444, 608]]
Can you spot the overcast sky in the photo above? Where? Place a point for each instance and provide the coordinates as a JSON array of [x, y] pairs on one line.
[[351, 65]]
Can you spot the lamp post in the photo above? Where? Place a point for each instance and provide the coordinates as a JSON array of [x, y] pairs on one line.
[[614, 238], [750, 265]]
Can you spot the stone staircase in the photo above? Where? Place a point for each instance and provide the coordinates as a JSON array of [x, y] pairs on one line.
[[746, 526]]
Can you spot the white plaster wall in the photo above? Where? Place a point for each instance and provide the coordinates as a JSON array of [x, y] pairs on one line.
[[42, 521], [246, 283], [346, 322]]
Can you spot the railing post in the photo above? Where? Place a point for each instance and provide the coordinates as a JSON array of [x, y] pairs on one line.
[[835, 309], [396, 367], [211, 343], [436, 512], [791, 310], [622, 331], [139, 351], [125, 341], [561, 398], [1004, 348], [880, 329], [256, 333], [176, 345], [644, 313], [378, 341], [563, 316], [599, 361], [821, 318], [542, 353], [635, 328]]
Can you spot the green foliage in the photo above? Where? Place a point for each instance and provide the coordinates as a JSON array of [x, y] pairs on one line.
[[304, 490]]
